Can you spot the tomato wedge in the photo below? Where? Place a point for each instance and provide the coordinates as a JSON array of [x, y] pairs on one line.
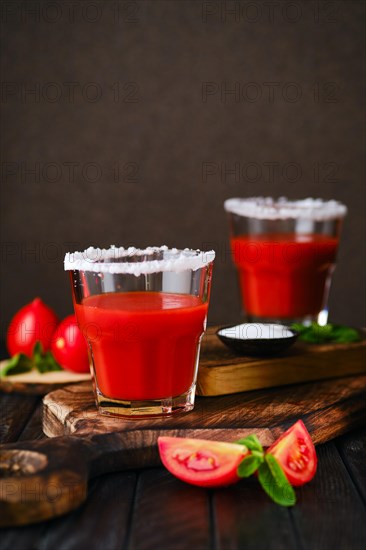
[[296, 454], [201, 462]]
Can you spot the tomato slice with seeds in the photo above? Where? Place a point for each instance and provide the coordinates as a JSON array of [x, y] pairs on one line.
[[201, 462], [296, 454]]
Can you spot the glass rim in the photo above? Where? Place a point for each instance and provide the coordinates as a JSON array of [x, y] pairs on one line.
[[267, 208], [133, 261]]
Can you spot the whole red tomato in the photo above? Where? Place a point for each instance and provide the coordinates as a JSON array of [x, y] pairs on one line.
[[69, 347], [33, 322]]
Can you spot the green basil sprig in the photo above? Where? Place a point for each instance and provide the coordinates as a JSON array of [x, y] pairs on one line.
[[270, 474], [21, 363], [316, 334]]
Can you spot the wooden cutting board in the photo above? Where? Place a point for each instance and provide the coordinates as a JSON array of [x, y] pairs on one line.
[[35, 383], [47, 478], [329, 408], [222, 372]]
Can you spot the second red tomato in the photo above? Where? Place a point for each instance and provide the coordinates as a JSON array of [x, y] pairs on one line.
[[69, 347]]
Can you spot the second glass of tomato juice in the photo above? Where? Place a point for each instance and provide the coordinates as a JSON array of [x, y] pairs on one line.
[[143, 313], [285, 253]]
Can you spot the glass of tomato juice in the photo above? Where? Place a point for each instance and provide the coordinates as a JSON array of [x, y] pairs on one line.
[[143, 314], [285, 253]]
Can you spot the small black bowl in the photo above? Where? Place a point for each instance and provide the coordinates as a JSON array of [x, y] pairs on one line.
[[257, 338]]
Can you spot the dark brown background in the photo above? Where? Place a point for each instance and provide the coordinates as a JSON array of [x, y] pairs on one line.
[[160, 131]]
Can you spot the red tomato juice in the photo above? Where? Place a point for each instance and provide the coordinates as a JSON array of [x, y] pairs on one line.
[[144, 344], [284, 275]]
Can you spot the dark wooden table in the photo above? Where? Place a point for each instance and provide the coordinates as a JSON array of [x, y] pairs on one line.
[[151, 509]]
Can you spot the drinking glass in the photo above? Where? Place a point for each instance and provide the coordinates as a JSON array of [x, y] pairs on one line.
[[285, 253], [143, 314]]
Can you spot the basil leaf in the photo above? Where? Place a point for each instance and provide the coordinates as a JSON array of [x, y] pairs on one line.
[[37, 351], [316, 334], [252, 442], [299, 327], [275, 483], [21, 363], [46, 363], [52, 363], [18, 364], [345, 334], [249, 465]]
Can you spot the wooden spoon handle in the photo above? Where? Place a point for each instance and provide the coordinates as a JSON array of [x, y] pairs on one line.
[[41, 479], [46, 478]]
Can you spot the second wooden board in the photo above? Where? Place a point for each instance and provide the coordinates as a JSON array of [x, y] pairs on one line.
[[222, 372], [36, 383]]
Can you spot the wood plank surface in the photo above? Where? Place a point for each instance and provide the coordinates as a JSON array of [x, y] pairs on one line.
[[246, 518], [25, 537], [329, 509], [102, 522], [328, 408], [241, 515], [33, 427], [14, 413], [352, 448], [108, 444], [178, 510]]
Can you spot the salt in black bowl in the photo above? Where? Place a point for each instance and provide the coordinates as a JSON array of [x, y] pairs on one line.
[[257, 338]]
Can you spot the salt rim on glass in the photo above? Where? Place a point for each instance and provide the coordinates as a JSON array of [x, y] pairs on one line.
[[105, 260], [267, 208]]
